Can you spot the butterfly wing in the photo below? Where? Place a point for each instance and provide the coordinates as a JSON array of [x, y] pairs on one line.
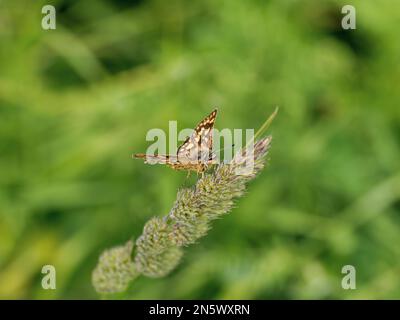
[[198, 147], [156, 159]]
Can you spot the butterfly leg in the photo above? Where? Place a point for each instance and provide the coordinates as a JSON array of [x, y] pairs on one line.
[[188, 174], [201, 170]]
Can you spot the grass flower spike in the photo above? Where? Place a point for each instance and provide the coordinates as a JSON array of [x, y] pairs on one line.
[[160, 247]]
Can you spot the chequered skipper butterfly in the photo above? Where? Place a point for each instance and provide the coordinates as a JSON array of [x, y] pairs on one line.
[[195, 154]]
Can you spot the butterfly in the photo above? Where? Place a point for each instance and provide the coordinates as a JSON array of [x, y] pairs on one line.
[[195, 154]]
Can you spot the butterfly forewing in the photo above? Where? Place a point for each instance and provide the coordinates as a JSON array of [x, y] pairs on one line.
[[198, 147], [157, 159]]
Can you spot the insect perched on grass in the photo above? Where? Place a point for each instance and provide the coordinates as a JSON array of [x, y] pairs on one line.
[[195, 154]]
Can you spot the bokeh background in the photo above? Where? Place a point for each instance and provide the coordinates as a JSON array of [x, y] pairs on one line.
[[75, 102]]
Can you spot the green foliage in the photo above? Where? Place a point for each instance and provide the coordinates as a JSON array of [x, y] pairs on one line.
[[75, 102]]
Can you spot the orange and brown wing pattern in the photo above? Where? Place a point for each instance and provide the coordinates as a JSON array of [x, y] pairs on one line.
[[198, 147]]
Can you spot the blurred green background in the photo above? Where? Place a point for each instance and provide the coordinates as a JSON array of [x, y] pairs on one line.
[[75, 102]]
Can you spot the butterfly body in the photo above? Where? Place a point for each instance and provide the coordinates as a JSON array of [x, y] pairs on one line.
[[195, 154]]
